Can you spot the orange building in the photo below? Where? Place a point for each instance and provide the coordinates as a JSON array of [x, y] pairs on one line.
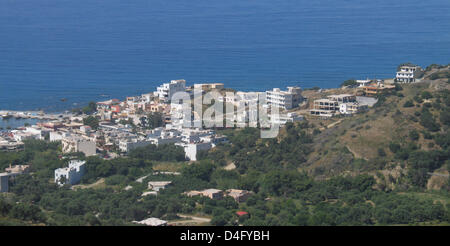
[[376, 89]]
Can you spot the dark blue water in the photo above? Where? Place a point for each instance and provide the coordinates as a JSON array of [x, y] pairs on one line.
[[13, 123], [79, 50]]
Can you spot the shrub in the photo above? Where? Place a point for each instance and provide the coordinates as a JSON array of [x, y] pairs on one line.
[[349, 82], [408, 104], [427, 121], [418, 99], [394, 147], [115, 180], [414, 135], [426, 95], [381, 152]]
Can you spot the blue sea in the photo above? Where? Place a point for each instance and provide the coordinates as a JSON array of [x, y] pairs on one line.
[[89, 50]]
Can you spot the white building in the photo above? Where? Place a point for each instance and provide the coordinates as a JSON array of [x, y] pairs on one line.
[[160, 136], [70, 175], [408, 74], [152, 222], [191, 149], [343, 103], [148, 97], [352, 108], [57, 136], [128, 145], [73, 144], [158, 185], [285, 99], [28, 133], [209, 86], [363, 82], [167, 90], [282, 119]]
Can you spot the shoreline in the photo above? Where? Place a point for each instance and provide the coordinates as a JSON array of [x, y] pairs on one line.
[[122, 97]]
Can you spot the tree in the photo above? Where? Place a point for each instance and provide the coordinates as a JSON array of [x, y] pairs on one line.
[[408, 104], [414, 135], [91, 121], [381, 152], [350, 83], [445, 117], [427, 120], [90, 108], [426, 95]]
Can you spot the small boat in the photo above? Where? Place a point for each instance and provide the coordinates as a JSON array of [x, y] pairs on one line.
[[63, 99]]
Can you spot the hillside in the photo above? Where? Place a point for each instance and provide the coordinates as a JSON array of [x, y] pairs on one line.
[[363, 143]]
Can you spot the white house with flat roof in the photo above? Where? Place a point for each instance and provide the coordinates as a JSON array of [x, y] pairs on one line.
[[71, 174], [408, 74], [363, 82], [158, 185], [71, 144], [152, 222], [167, 90], [128, 145], [191, 149], [285, 99]]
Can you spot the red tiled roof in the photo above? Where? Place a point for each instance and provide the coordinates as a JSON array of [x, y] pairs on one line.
[[241, 213]]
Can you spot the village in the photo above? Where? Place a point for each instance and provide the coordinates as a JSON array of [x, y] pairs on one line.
[[115, 128]]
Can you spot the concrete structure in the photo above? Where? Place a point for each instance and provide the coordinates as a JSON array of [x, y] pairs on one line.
[[363, 82], [214, 194], [191, 149], [11, 172], [408, 74], [148, 193], [333, 104], [158, 185], [152, 222], [285, 99], [342, 98], [70, 175], [321, 112], [19, 169], [167, 90], [57, 136], [326, 104], [106, 105], [192, 193], [11, 145], [376, 89], [21, 136], [128, 145], [239, 195], [73, 144], [282, 119], [209, 86], [352, 108]]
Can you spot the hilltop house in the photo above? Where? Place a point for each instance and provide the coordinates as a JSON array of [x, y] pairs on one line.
[[285, 99], [408, 73]]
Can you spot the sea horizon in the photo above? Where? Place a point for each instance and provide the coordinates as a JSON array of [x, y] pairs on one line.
[[91, 50]]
